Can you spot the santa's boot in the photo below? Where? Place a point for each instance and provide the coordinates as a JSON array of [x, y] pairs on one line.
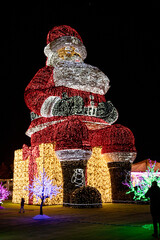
[[119, 151]]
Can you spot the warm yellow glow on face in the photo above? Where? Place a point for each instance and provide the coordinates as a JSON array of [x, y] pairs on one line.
[[67, 52], [97, 173]]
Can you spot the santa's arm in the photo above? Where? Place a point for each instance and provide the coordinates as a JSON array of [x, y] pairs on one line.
[[40, 96]]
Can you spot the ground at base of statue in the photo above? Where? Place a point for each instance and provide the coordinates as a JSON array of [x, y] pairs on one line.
[[115, 221]]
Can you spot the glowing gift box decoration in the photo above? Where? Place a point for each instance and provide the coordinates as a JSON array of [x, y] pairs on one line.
[[47, 161], [97, 173], [71, 131]]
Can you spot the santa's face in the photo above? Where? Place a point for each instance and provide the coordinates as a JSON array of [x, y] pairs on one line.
[[65, 49], [64, 54]]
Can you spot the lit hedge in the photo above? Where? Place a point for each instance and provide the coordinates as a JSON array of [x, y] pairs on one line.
[[86, 197]]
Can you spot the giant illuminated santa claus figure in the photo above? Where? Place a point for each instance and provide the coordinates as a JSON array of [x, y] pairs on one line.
[[68, 104]]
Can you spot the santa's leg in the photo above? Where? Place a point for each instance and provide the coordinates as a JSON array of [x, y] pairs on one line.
[[73, 153], [119, 151], [118, 148]]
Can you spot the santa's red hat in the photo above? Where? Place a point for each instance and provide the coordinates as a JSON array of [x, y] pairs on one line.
[[64, 36], [61, 31]]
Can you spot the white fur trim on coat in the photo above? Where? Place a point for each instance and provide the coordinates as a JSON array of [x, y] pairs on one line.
[[48, 105]]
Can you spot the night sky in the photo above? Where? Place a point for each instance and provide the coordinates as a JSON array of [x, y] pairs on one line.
[[123, 44]]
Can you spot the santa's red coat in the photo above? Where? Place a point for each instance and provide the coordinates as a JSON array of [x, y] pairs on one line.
[[42, 129]]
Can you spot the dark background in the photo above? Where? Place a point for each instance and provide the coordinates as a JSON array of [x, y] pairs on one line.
[[122, 41]]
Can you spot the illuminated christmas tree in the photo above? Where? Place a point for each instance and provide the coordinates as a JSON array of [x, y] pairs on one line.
[[4, 193], [43, 188], [145, 181]]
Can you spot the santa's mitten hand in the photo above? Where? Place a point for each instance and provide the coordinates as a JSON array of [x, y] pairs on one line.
[[62, 107], [56, 111], [77, 105], [107, 112]]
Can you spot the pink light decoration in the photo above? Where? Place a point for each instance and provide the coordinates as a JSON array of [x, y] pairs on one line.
[[4, 193]]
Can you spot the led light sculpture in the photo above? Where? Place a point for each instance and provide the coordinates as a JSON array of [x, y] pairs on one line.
[[140, 182], [69, 111], [4, 193], [43, 188]]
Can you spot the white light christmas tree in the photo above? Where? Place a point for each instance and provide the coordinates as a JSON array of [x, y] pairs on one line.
[[43, 188]]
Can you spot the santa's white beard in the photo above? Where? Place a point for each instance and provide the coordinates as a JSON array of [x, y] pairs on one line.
[[80, 76]]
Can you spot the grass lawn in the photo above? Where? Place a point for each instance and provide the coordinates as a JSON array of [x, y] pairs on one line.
[[113, 221]]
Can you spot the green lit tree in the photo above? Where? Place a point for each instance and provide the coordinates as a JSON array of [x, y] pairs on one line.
[[145, 182]]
